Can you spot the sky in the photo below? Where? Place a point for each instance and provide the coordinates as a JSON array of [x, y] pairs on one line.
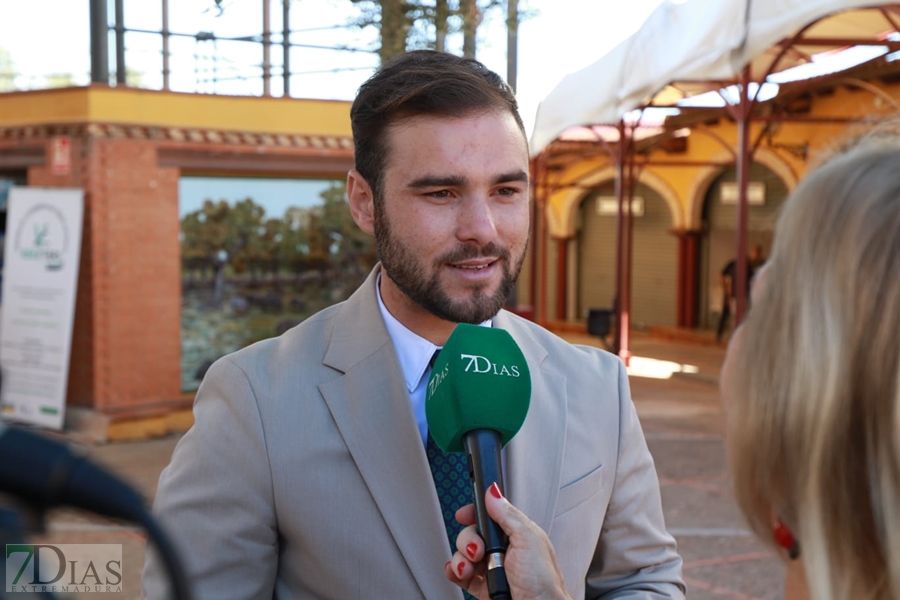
[[50, 37], [275, 195]]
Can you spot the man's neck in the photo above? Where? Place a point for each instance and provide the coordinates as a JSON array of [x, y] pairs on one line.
[[412, 315]]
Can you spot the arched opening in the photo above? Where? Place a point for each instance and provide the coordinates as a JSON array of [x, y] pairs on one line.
[[767, 192], [654, 255]]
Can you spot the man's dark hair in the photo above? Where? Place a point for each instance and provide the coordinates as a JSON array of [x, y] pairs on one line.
[[422, 82]]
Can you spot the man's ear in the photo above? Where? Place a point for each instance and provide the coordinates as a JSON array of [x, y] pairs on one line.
[[362, 201]]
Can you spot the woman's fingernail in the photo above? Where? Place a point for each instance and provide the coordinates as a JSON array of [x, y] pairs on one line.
[[470, 550], [460, 568], [495, 490]]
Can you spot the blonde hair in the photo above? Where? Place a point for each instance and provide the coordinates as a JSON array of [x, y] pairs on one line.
[[816, 438]]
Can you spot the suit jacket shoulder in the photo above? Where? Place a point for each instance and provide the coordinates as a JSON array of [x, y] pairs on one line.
[[581, 469], [559, 353], [304, 458]]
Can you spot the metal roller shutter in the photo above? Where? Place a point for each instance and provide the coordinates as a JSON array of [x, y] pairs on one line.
[[596, 255], [720, 221], [654, 255]]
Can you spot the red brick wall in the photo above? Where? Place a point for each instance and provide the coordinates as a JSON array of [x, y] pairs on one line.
[[80, 388], [126, 342], [126, 348], [137, 289]]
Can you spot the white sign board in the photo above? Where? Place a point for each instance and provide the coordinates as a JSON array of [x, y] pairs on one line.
[[756, 193], [608, 206], [40, 276]]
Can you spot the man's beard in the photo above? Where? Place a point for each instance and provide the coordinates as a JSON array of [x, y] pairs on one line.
[[412, 276]]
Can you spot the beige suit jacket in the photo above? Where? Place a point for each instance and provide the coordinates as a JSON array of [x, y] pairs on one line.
[[304, 475]]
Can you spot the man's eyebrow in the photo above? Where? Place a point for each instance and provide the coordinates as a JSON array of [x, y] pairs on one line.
[[429, 181], [520, 176]]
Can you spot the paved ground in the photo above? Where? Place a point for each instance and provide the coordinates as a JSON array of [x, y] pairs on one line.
[[683, 423]]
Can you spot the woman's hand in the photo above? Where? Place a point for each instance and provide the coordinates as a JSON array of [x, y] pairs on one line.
[[530, 563]]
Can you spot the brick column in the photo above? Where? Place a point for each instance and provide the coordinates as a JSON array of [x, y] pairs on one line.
[[126, 348], [688, 273], [136, 281]]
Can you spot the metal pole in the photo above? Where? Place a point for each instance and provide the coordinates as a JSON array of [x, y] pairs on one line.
[[562, 272], [625, 348], [743, 172], [165, 43], [621, 337], [512, 24], [99, 42], [533, 271], [267, 49], [512, 42], [286, 44], [539, 281], [541, 239], [121, 74]]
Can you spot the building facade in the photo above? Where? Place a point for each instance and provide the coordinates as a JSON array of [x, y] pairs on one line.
[[684, 206], [129, 150]]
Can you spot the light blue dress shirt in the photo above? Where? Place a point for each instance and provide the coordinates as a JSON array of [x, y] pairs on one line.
[[414, 353]]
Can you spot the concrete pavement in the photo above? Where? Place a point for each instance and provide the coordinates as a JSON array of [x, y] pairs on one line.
[[683, 423], [674, 386]]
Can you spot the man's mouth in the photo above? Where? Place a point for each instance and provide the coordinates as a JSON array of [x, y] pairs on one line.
[[473, 266]]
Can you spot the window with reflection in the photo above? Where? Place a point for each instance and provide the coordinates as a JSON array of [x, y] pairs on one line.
[[257, 257]]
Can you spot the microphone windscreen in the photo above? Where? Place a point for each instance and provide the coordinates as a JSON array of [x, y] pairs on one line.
[[480, 380]]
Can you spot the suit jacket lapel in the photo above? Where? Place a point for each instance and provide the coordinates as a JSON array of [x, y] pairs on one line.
[[534, 456], [370, 405]]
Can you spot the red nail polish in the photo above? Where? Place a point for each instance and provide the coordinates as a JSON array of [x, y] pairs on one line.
[[460, 568], [495, 490], [470, 550]]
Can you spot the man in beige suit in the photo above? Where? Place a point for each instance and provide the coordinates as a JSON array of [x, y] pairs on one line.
[[305, 474]]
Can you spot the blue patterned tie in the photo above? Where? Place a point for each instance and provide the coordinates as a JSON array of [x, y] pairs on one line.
[[452, 482]]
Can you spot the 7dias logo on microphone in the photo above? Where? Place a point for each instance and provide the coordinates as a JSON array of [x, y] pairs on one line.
[[482, 364], [63, 568], [473, 363]]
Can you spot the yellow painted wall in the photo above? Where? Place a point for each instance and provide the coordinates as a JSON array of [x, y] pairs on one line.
[[102, 104]]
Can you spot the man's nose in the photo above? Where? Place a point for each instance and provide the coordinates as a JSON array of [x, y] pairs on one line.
[[476, 221]]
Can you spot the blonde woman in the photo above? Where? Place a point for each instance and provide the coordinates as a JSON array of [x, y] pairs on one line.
[[811, 386], [811, 383]]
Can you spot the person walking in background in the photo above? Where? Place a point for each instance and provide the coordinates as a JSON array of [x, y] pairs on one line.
[[757, 258], [811, 391], [308, 471], [728, 280]]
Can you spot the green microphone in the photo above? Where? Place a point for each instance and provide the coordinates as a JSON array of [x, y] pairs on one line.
[[477, 399]]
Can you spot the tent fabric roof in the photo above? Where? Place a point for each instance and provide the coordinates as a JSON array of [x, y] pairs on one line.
[[689, 47]]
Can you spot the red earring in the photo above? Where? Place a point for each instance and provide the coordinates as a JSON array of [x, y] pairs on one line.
[[785, 539]]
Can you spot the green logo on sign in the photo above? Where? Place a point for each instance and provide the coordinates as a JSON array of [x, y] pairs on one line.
[[48, 239]]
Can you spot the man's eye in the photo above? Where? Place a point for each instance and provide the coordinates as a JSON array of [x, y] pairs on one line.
[[440, 194], [507, 191]]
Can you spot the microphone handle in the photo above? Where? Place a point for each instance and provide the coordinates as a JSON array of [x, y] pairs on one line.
[[483, 454]]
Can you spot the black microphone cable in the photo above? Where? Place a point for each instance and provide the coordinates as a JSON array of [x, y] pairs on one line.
[[44, 473]]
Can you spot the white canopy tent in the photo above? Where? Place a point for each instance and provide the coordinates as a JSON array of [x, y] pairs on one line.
[[731, 49], [690, 47]]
